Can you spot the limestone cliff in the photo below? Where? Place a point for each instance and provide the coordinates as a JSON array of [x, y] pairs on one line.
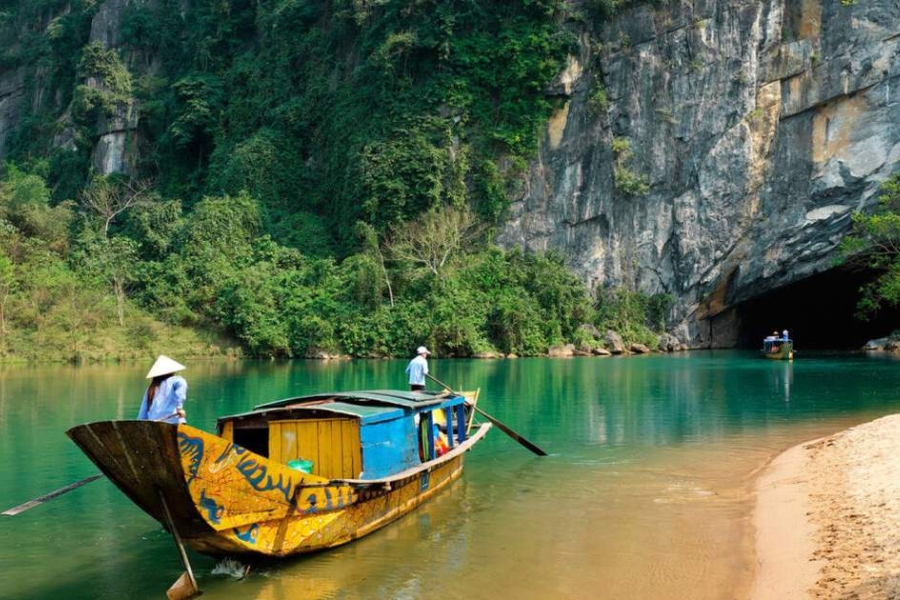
[[759, 127]]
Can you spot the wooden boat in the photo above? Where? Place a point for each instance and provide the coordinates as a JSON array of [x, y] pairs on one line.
[[778, 349], [372, 457]]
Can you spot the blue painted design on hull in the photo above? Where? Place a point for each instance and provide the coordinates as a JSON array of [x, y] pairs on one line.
[[213, 510], [312, 499], [238, 450], [192, 447], [257, 476], [249, 535]]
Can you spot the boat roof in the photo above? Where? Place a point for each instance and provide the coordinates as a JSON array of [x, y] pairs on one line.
[[399, 398], [369, 406]]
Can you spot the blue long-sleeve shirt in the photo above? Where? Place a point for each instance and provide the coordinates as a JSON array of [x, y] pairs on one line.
[[169, 397], [417, 369]]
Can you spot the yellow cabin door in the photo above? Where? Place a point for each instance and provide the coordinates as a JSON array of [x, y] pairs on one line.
[[332, 444]]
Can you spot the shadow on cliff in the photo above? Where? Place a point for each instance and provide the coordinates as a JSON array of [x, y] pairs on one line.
[[818, 312]]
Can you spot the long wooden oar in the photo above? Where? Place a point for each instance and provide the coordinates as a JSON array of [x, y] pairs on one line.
[[185, 587], [41, 499], [505, 429], [55, 494]]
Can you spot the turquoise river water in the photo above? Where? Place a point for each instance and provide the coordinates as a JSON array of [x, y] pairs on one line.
[[647, 492]]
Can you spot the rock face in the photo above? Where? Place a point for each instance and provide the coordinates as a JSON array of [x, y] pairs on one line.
[[759, 127], [12, 94], [115, 135], [115, 147]]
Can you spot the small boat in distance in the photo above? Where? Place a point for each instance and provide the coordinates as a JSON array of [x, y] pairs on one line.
[[292, 476], [778, 348]]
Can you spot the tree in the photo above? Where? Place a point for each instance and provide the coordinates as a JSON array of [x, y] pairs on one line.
[[371, 246], [875, 244], [108, 198], [435, 238], [8, 284], [25, 203], [111, 260]]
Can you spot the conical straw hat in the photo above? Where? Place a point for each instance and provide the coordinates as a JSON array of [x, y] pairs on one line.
[[163, 366]]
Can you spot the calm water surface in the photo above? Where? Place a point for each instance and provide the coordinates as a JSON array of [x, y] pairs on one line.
[[647, 492]]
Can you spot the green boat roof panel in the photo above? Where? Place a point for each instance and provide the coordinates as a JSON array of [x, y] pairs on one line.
[[367, 413], [392, 397]]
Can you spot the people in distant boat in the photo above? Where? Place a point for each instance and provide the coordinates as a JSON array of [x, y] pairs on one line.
[[165, 396], [417, 369], [769, 341], [784, 335]]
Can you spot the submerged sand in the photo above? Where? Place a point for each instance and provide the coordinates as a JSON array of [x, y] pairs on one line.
[[828, 517]]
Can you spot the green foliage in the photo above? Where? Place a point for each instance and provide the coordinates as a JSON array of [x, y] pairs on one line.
[[598, 101], [106, 67], [374, 111], [198, 100], [65, 299], [627, 182], [413, 170], [314, 163], [630, 314], [658, 308], [25, 204], [875, 244]]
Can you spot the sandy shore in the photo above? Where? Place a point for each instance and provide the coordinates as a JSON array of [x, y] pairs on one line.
[[827, 517]]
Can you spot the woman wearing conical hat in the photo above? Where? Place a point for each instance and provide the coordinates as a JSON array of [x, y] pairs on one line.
[[165, 396]]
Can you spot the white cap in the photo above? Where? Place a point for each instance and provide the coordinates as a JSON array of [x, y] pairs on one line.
[[422, 350], [784, 332], [164, 366]]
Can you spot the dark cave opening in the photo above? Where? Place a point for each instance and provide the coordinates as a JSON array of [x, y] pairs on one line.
[[817, 311]]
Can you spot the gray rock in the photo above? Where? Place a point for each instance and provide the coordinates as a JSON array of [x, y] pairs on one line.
[[12, 97], [669, 343], [566, 351], [759, 127], [614, 342], [877, 344], [590, 330]]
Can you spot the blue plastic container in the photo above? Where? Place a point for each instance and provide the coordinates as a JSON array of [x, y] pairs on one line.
[[301, 464]]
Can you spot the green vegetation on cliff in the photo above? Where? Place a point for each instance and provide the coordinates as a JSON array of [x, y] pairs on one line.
[[875, 244], [303, 176]]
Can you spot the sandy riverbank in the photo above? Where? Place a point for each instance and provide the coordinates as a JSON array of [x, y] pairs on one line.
[[827, 517]]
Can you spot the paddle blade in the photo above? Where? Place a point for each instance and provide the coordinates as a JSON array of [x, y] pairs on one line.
[[511, 433], [183, 588], [40, 500]]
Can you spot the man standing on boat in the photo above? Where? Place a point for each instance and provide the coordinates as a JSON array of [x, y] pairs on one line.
[[417, 369], [165, 396]]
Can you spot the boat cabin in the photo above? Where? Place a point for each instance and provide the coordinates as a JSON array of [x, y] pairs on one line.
[[772, 345], [358, 435]]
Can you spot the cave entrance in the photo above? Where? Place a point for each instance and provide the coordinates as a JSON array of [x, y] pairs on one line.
[[817, 311]]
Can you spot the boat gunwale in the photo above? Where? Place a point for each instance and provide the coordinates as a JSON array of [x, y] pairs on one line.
[[458, 450], [467, 445]]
